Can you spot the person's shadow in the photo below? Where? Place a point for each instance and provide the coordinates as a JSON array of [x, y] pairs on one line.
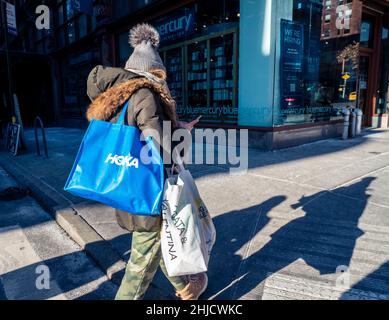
[[324, 238], [374, 286]]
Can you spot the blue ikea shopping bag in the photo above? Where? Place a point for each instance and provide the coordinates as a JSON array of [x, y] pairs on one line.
[[109, 169]]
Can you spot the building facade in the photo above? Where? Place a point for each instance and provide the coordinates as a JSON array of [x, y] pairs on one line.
[[281, 68]]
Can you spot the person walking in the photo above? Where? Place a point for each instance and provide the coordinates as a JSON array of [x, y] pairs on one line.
[[143, 84]]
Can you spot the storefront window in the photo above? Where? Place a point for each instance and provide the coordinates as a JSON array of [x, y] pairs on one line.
[[124, 48], [69, 10], [125, 7], [222, 78], [71, 32], [200, 48], [214, 16], [75, 70], [82, 26], [383, 92], [60, 15], [367, 32], [197, 77], [201, 37], [319, 60], [61, 37], [173, 63]]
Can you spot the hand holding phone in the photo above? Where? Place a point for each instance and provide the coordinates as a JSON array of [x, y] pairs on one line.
[[190, 125], [195, 121]]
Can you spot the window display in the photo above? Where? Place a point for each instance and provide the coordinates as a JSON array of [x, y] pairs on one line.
[[383, 92], [197, 79], [209, 87], [173, 64], [222, 78], [319, 66]]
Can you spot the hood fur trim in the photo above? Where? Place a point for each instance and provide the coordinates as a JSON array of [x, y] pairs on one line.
[[109, 103]]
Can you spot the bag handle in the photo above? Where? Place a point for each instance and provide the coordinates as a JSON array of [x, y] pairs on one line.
[[179, 161], [123, 114]]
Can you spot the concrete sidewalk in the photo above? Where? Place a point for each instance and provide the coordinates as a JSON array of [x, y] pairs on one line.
[[310, 222]]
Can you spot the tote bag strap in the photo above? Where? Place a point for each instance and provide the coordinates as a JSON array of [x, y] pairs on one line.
[[177, 160], [123, 114]]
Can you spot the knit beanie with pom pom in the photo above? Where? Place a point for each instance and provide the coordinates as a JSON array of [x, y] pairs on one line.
[[145, 40]]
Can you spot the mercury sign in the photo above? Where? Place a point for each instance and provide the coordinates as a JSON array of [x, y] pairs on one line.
[[176, 26]]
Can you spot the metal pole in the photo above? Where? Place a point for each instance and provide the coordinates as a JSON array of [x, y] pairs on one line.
[[346, 124], [353, 122], [8, 58], [38, 121], [358, 126], [18, 117]]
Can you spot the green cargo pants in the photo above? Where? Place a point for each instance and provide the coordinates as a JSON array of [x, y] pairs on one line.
[[145, 257]]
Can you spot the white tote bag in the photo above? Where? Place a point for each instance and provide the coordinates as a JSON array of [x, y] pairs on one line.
[[188, 233]]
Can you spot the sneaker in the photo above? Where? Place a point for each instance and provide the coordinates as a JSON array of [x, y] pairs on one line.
[[196, 287]]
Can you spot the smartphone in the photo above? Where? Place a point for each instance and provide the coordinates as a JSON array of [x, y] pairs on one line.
[[194, 122]]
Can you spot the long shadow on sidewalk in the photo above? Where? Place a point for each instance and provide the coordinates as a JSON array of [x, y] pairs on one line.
[[236, 268], [324, 245], [381, 274]]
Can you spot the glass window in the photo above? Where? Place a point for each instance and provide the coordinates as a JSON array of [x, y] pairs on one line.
[[199, 49], [69, 9], [202, 18], [383, 93], [216, 15], [94, 22], [197, 79], [124, 48], [222, 77], [173, 64], [60, 15], [75, 70], [71, 32], [318, 62], [82, 26], [61, 37], [207, 85], [367, 32]]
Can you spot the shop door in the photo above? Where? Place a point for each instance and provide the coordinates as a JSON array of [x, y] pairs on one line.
[[363, 96], [368, 66]]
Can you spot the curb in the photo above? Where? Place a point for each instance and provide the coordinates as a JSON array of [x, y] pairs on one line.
[[67, 217]]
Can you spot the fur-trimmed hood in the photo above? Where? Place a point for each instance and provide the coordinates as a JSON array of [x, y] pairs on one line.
[[109, 103]]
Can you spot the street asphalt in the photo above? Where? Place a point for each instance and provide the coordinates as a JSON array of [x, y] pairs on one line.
[[32, 246], [309, 222]]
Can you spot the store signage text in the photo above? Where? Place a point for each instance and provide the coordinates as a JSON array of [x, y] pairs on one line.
[[176, 26]]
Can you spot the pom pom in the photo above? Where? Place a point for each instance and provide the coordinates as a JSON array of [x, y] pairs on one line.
[[144, 32]]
